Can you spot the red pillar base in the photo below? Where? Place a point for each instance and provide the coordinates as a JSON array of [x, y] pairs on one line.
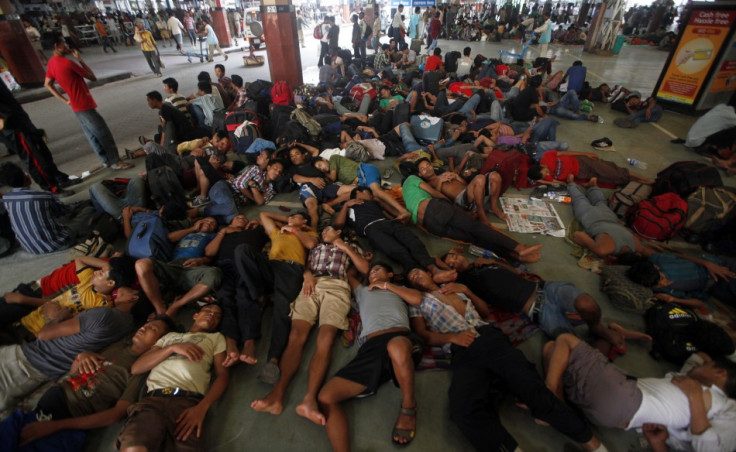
[[282, 41], [220, 24], [17, 50]]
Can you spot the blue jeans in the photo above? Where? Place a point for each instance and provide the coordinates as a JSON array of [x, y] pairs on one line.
[[365, 103], [99, 136], [198, 116], [432, 46], [544, 146], [222, 205], [544, 130], [105, 201], [568, 106], [410, 144], [641, 115], [470, 104], [558, 300]]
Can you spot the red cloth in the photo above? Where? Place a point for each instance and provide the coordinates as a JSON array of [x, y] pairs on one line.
[[59, 279], [559, 166], [457, 88], [70, 76], [434, 28], [433, 63]]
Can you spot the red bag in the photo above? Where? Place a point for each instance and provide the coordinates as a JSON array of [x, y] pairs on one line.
[[511, 165], [281, 93], [659, 217], [360, 90]]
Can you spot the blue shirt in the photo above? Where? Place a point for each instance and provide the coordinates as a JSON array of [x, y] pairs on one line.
[[192, 245], [33, 217], [211, 36], [688, 279], [576, 78]]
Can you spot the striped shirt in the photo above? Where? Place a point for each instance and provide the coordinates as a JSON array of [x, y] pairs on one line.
[[33, 216], [180, 102]]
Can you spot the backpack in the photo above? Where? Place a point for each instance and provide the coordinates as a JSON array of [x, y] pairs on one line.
[[317, 33], [281, 93], [622, 201], [709, 208], [685, 177], [511, 165], [659, 217], [249, 132], [103, 224], [358, 152], [623, 292], [165, 186], [293, 131], [259, 90], [359, 91], [313, 127], [280, 115], [149, 238], [451, 61]]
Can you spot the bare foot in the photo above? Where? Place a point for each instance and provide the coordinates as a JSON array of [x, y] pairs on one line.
[[328, 209], [248, 354], [629, 334], [403, 217], [570, 178], [593, 182], [268, 404], [444, 276], [310, 411], [231, 353], [499, 213]]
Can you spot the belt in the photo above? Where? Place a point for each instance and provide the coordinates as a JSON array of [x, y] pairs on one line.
[[372, 223], [537, 303], [174, 392]]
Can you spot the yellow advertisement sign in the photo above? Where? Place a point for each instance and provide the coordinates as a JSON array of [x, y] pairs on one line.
[[696, 52]]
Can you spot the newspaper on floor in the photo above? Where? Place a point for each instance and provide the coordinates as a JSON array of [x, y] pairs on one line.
[[532, 216]]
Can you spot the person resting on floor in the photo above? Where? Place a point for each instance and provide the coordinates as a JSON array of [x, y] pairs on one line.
[[440, 216], [602, 233], [483, 363], [99, 281], [557, 167], [255, 183], [693, 409], [687, 280], [96, 394]]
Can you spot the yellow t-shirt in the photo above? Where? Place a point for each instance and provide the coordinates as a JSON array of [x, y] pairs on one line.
[[288, 247], [187, 146], [178, 371], [148, 44], [77, 299]]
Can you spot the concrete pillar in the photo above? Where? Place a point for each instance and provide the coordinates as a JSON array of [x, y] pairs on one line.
[[220, 24], [583, 13], [282, 41], [17, 50], [595, 28]]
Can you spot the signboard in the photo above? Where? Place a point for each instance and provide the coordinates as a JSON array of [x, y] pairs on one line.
[[697, 51], [412, 4]]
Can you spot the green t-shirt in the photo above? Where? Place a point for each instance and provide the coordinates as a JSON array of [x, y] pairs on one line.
[[91, 393], [386, 103], [413, 195], [347, 169]]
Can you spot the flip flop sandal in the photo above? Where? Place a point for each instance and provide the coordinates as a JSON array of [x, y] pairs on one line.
[[142, 140], [388, 173], [404, 433]]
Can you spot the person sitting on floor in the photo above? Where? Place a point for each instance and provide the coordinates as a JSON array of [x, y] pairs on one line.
[[432, 210], [96, 394], [483, 362], [203, 106], [388, 351], [325, 296], [559, 167], [693, 409], [180, 387], [638, 111]]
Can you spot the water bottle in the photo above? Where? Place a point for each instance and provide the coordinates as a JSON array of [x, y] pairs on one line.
[[480, 252], [600, 119], [637, 163]]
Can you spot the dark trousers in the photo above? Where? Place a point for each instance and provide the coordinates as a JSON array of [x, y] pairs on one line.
[[449, 220], [324, 52], [443, 107], [11, 312], [399, 243], [260, 276], [106, 42], [490, 367], [28, 143]]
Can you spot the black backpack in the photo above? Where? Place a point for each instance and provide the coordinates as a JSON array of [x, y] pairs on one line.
[[685, 177], [259, 90], [451, 61], [165, 186]]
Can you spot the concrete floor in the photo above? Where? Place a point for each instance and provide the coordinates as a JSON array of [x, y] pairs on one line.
[[231, 424]]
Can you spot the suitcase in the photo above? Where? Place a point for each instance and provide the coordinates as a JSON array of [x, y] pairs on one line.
[[402, 113], [426, 129], [431, 82], [623, 200], [416, 46]]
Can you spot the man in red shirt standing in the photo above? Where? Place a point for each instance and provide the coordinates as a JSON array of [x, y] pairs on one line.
[[435, 26], [70, 76]]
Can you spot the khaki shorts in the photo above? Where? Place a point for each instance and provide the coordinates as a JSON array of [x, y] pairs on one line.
[[151, 423], [330, 303]]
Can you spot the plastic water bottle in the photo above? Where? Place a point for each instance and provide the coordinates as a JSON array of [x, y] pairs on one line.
[[637, 163], [480, 252], [600, 119]]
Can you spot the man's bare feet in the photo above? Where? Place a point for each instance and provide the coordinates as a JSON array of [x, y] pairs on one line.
[[327, 208], [444, 276], [403, 217], [529, 253], [570, 178], [593, 182], [310, 410], [248, 354], [269, 404], [231, 353], [499, 213], [629, 334]]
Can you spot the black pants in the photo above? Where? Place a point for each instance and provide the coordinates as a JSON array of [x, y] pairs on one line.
[[443, 107], [28, 143], [449, 220], [260, 276], [490, 367], [11, 312], [399, 243], [324, 52]]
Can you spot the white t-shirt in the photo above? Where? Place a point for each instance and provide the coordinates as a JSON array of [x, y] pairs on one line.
[[178, 371], [397, 23], [664, 403], [175, 25], [376, 147], [325, 31]]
